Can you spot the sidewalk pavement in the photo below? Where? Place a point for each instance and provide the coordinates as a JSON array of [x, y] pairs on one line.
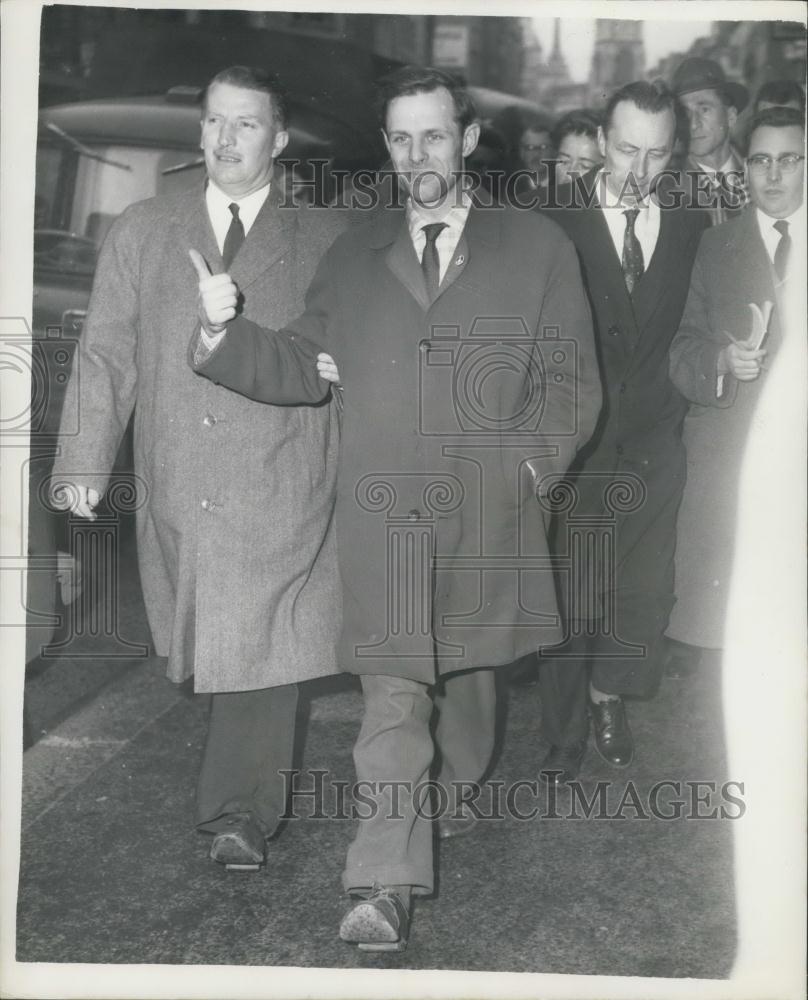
[[112, 870]]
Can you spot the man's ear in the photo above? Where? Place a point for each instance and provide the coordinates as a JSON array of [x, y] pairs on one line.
[[732, 117], [278, 146], [386, 140], [470, 138], [602, 141]]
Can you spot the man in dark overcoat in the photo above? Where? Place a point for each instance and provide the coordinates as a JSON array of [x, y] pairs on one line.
[[464, 349], [616, 527], [720, 359], [236, 544]]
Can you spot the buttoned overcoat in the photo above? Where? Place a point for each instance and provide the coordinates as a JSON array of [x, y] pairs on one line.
[[455, 409], [235, 498]]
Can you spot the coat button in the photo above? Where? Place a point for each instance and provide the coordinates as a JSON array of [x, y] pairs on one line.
[[622, 387], [414, 515], [208, 504], [423, 347], [613, 331], [619, 449], [209, 420]]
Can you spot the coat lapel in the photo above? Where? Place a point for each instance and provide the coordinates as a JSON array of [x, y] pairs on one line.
[[190, 216], [667, 252], [480, 237], [403, 261], [597, 248], [269, 238], [759, 281]]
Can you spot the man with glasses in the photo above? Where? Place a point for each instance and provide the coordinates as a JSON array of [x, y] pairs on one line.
[[726, 344]]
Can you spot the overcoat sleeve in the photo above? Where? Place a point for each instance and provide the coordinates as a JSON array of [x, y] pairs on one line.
[[696, 346], [574, 394], [103, 382], [275, 366]]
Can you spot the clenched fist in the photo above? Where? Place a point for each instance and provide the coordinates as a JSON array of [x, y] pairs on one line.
[[218, 296]]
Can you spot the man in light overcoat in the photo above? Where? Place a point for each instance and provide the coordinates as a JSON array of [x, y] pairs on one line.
[[235, 528], [464, 349], [720, 360]]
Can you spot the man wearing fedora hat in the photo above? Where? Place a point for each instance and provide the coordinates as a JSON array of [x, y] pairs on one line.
[[712, 105]]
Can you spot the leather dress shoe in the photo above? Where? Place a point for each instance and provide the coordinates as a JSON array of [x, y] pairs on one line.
[[457, 823], [379, 923], [562, 764], [240, 845], [612, 735]]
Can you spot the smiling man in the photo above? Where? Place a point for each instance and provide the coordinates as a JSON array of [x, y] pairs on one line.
[[465, 355], [720, 361], [228, 591]]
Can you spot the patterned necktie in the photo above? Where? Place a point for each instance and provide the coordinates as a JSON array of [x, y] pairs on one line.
[[633, 265], [783, 249], [234, 238], [430, 262]]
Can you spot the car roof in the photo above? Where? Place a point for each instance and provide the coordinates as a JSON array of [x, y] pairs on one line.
[[151, 121]]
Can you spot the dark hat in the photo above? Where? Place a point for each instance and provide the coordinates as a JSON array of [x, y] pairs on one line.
[[705, 74]]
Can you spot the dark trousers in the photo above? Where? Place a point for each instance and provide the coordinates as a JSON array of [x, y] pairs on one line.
[[620, 651], [250, 738]]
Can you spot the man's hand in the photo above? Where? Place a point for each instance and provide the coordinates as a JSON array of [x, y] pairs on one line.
[[77, 499], [327, 368], [742, 362], [218, 296]]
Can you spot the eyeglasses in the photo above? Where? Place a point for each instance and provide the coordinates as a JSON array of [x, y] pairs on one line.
[[761, 162]]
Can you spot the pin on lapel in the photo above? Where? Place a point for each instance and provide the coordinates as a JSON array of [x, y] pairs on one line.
[[460, 260]]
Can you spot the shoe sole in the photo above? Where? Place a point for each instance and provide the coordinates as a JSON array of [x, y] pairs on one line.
[[367, 928], [235, 854]]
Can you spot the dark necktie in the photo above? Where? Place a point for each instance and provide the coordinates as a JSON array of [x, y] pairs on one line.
[[783, 249], [430, 262], [633, 265], [234, 238]]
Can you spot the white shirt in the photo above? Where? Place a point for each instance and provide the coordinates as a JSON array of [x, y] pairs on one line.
[[448, 238], [731, 166], [646, 227], [220, 215], [218, 205], [771, 237]]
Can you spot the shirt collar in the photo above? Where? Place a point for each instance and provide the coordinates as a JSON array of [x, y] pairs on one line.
[[608, 202], [248, 207], [729, 166], [455, 217], [796, 221]]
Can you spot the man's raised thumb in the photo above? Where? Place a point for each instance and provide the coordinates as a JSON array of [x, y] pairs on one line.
[[200, 266]]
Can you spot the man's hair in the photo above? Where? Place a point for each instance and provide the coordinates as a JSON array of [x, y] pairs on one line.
[[780, 92], [411, 80], [534, 122], [254, 78], [653, 97], [775, 118], [580, 122]]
